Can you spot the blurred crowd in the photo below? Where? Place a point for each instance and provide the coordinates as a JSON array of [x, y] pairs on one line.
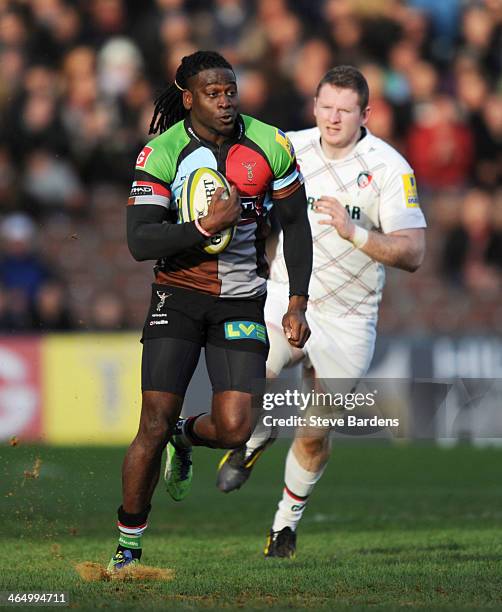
[[77, 82]]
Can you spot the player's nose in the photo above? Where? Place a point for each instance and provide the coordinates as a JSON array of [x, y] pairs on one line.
[[224, 101], [335, 116]]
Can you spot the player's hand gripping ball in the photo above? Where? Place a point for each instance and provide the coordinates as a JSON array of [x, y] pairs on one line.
[[196, 195]]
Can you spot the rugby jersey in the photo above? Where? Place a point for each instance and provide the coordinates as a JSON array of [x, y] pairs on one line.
[[377, 186], [259, 160]]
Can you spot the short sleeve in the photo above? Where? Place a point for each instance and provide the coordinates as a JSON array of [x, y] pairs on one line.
[[399, 203], [287, 176], [152, 178]]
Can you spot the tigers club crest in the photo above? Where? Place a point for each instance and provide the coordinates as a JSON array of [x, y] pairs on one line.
[[364, 179]]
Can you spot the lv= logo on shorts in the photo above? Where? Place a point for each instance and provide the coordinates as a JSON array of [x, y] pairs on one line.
[[245, 330]]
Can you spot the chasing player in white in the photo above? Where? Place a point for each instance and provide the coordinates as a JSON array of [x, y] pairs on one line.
[[364, 213]]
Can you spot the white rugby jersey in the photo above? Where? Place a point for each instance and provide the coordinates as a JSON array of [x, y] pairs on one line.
[[377, 186]]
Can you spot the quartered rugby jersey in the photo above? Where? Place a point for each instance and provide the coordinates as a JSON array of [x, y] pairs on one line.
[[378, 189], [259, 161]]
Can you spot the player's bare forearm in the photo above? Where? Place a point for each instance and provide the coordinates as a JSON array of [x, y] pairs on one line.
[[404, 249]]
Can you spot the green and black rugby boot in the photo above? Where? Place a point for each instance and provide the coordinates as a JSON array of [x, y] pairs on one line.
[[121, 559], [178, 472]]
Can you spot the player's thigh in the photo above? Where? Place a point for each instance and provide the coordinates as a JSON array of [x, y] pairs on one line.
[[340, 351], [168, 364], [236, 345], [237, 378], [341, 348], [235, 370], [173, 334], [281, 354]]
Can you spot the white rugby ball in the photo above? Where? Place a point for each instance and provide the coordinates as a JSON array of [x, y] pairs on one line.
[[196, 195]]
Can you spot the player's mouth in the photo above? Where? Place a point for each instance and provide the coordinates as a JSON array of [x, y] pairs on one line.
[[227, 118]]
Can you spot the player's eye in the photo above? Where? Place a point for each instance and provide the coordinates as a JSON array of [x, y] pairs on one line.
[[232, 93]]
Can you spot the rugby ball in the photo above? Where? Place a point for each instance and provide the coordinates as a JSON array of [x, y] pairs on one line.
[[196, 195]]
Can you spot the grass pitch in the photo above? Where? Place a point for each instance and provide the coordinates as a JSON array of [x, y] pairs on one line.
[[388, 527]]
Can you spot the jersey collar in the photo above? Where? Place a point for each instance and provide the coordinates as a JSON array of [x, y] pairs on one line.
[[238, 134]]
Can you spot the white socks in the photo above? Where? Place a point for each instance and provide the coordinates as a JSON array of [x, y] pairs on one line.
[[299, 485], [258, 437]]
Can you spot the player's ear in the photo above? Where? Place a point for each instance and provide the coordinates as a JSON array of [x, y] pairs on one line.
[[314, 108], [366, 114], [187, 99]]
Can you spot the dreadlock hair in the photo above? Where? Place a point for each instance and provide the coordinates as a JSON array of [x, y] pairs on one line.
[[169, 107]]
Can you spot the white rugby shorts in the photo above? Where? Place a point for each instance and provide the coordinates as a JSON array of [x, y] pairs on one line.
[[338, 347]]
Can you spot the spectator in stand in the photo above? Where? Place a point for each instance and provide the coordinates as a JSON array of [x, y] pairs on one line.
[[12, 66], [6, 321], [314, 59], [51, 312], [381, 120], [440, 146], [489, 143], [22, 270], [107, 312], [481, 39], [14, 31], [78, 79], [33, 115], [444, 16], [21, 267], [483, 109], [9, 183], [472, 256], [51, 185], [105, 19], [15, 312], [229, 19]]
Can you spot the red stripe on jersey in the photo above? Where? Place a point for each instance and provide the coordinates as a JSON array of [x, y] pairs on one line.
[[157, 189]]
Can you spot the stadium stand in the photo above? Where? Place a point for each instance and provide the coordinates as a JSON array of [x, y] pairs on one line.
[[77, 82]]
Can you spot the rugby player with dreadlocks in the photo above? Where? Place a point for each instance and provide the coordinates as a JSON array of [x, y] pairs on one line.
[[204, 300]]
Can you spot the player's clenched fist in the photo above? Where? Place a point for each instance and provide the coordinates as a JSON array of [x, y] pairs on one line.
[[338, 216], [294, 323], [224, 211]]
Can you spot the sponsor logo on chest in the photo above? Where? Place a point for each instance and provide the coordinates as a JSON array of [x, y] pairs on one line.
[[353, 210]]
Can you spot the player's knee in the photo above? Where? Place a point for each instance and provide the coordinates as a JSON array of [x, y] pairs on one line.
[[154, 432], [313, 446], [155, 425], [234, 435], [280, 354]]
